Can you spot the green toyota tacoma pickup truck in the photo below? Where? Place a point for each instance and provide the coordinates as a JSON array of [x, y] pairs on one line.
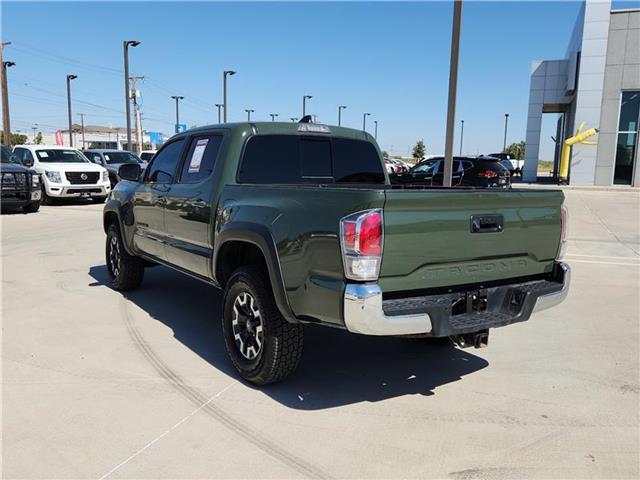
[[298, 223]]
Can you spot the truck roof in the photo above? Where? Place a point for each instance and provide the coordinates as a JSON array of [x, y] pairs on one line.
[[286, 128]]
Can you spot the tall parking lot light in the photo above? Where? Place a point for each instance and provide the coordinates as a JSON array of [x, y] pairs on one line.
[[127, 96], [340, 108], [249, 112], [293, 119], [218, 106], [69, 78], [224, 91], [375, 135], [177, 98], [364, 121], [304, 104], [506, 125], [6, 127], [453, 87], [273, 116], [461, 135]]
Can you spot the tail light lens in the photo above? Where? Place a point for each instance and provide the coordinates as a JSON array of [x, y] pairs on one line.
[[488, 174], [361, 239], [564, 221]]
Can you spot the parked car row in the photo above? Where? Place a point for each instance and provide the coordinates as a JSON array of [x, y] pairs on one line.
[[34, 174], [396, 166], [467, 171]]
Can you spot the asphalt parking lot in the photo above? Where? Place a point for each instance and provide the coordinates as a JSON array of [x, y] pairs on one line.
[[97, 384]]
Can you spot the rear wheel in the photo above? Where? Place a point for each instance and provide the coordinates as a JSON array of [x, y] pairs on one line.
[[263, 347], [126, 271]]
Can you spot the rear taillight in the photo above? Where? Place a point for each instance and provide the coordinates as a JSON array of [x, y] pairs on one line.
[[488, 174], [361, 237], [564, 223]]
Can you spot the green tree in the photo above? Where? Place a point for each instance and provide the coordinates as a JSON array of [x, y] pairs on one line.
[[38, 139], [385, 154], [419, 150], [516, 150], [16, 138]]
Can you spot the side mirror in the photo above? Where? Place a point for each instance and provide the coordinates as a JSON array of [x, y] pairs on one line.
[[27, 163], [130, 171]]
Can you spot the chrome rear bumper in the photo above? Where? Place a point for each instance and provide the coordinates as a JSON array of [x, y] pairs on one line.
[[364, 312]]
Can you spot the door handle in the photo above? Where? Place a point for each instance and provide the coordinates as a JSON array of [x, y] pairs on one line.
[[487, 223]]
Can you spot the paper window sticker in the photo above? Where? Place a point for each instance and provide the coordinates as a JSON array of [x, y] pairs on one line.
[[198, 153]]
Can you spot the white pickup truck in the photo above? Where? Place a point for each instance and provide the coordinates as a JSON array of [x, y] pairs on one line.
[[65, 172]]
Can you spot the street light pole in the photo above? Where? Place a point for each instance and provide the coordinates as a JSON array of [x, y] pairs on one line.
[[127, 96], [218, 106], [453, 87], [224, 91], [340, 107], [69, 78], [293, 119], [304, 104], [273, 116], [34, 128], [461, 135], [177, 98], [506, 124], [82, 129], [249, 112], [6, 127], [364, 121], [375, 135]]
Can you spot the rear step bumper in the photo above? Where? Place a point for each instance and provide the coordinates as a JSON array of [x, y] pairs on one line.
[[454, 313]]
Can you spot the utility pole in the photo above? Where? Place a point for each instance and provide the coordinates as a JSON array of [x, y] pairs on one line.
[[136, 106], [249, 112], [224, 91], [218, 106], [82, 128], [273, 116], [506, 124], [69, 78], [453, 87], [340, 107], [177, 98], [293, 119], [127, 95], [364, 121], [461, 135], [375, 135], [6, 127], [304, 104]]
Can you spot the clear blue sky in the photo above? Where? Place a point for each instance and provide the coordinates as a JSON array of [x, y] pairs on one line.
[[390, 59]]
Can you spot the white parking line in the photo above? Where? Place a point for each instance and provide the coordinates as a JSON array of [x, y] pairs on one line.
[[124, 462], [627, 264], [603, 256]]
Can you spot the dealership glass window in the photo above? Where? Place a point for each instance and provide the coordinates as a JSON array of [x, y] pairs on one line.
[[627, 144]]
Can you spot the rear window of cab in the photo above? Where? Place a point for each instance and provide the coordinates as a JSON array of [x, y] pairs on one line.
[[294, 159]]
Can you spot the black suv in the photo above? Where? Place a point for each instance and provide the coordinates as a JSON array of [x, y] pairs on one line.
[[20, 185]]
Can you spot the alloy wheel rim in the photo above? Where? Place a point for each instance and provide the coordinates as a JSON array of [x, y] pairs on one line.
[[114, 256], [247, 326]]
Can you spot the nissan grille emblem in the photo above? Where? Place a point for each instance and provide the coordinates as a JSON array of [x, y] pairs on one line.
[[83, 176]]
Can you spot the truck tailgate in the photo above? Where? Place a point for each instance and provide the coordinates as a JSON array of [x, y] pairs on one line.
[[429, 242]]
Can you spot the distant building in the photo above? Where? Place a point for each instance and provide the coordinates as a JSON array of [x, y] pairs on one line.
[[97, 136], [598, 82]]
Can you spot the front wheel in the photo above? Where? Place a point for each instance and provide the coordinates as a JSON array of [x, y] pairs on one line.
[[45, 199], [263, 347], [32, 207], [126, 271]]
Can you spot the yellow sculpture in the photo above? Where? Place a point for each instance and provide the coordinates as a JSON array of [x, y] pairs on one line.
[[565, 156]]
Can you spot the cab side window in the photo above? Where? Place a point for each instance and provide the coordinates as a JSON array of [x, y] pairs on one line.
[[94, 157], [201, 158], [164, 165]]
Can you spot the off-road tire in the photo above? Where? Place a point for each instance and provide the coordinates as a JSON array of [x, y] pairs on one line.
[[281, 346], [32, 207], [128, 273]]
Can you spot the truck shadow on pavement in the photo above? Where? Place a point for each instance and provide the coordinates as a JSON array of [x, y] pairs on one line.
[[337, 368]]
